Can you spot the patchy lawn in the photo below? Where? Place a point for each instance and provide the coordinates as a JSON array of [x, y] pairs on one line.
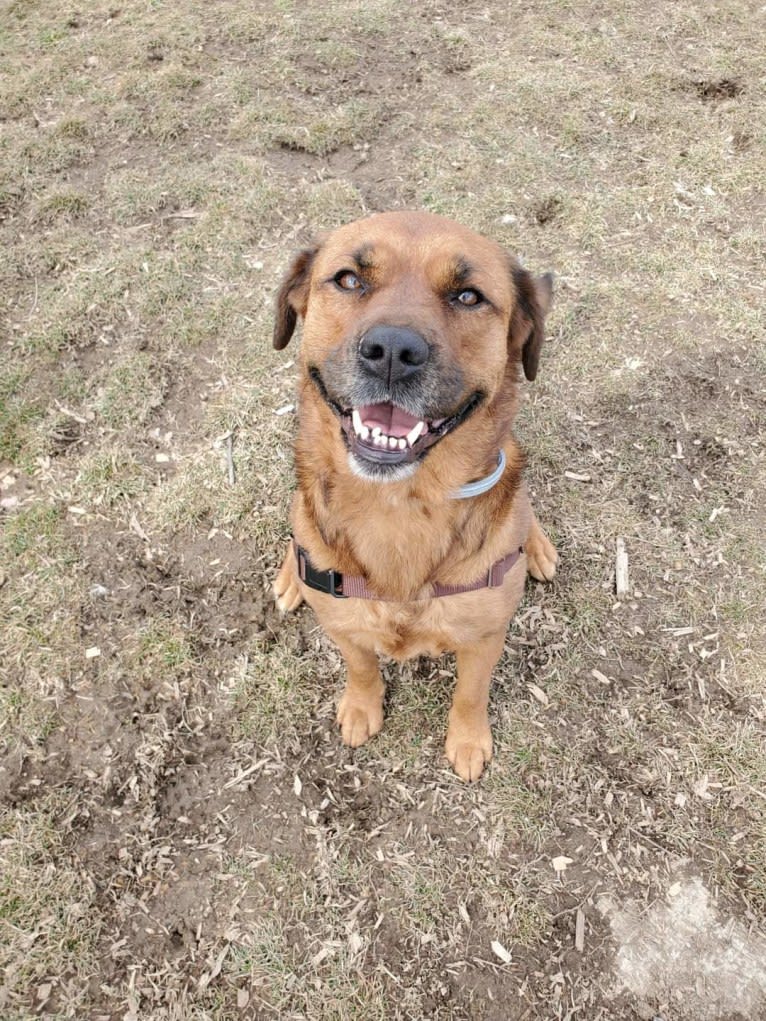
[[182, 835]]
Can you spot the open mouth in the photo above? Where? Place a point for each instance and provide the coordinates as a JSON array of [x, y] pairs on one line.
[[388, 435], [385, 434]]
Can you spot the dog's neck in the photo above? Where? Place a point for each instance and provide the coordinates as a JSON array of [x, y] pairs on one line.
[[480, 486], [401, 535]]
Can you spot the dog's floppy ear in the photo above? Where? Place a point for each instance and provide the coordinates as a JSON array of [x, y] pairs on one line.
[[293, 297], [527, 330]]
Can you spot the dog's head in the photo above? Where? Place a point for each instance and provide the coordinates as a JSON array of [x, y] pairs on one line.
[[410, 324]]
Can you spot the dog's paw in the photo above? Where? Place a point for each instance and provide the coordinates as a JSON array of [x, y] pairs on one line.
[[541, 556], [286, 589], [289, 598], [359, 719], [468, 748]]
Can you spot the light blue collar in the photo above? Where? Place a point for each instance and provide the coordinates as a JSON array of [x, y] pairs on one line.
[[482, 485]]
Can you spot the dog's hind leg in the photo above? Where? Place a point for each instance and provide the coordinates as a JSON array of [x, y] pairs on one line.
[[541, 553], [286, 589], [360, 710]]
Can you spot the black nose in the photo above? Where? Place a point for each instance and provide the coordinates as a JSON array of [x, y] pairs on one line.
[[392, 352]]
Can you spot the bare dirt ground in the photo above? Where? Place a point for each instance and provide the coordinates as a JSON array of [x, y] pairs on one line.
[[182, 836]]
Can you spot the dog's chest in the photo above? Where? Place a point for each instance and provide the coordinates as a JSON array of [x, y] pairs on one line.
[[399, 546], [403, 631]]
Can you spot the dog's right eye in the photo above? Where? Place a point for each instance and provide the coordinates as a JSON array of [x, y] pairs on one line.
[[470, 298], [348, 281]]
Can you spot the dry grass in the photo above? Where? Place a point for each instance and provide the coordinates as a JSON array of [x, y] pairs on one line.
[[182, 835], [50, 925]]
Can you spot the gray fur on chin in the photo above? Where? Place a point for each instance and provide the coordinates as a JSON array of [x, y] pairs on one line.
[[379, 473]]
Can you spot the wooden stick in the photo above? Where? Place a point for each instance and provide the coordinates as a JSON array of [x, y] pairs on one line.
[[580, 930], [621, 578], [230, 459]]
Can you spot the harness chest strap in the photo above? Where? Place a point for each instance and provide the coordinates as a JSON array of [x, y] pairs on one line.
[[350, 586]]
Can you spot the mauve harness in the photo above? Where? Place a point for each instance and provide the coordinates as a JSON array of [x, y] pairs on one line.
[[351, 586]]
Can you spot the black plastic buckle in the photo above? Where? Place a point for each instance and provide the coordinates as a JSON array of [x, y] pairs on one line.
[[329, 582]]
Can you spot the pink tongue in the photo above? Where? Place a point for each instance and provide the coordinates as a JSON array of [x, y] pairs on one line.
[[388, 418]]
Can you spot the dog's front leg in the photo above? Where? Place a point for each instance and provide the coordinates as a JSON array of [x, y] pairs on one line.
[[286, 589], [541, 553], [469, 739], [360, 710]]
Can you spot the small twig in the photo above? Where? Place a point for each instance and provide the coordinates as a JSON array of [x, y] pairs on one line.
[[578, 906], [647, 838], [230, 459], [243, 775], [71, 414], [136, 527], [182, 214]]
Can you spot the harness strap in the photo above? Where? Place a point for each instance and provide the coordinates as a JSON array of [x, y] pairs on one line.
[[351, 586]]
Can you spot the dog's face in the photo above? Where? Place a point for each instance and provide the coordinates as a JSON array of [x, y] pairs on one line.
[[410, 321]]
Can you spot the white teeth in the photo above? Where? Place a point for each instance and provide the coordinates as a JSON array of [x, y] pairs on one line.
[[360, 428], [413, 434], [377, 437]]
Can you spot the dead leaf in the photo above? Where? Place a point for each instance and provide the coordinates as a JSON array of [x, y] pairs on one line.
[[700, 788], [44, 991], [539, 694], [207, 977], [499, 951]]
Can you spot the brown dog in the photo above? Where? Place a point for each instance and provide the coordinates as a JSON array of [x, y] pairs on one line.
[[413, 331]]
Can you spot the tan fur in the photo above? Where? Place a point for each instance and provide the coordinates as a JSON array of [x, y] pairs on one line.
[[404, 536]]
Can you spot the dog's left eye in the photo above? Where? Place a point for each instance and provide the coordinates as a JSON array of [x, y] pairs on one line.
[[348, 281], [469, 297]]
